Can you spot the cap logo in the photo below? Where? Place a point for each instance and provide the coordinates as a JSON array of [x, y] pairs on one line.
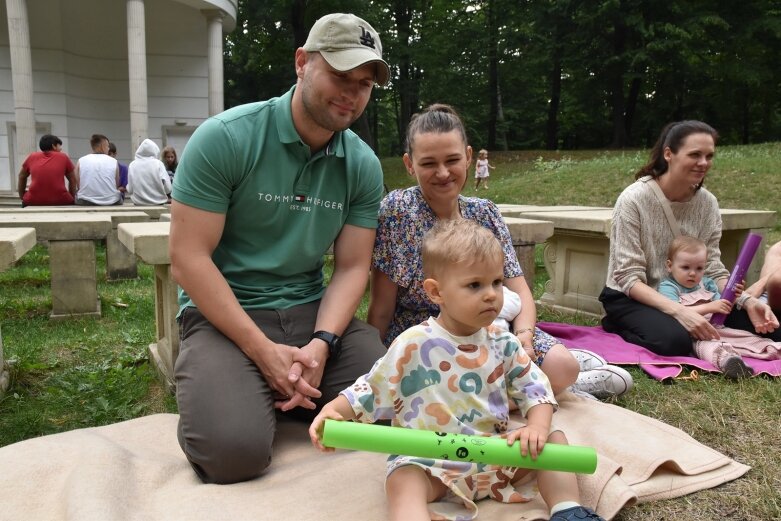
[[366, 38]]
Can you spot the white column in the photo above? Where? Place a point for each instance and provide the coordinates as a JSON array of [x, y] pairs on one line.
[[22, 80], [136, 63], [216, 89]]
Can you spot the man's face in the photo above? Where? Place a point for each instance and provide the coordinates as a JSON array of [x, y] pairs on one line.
[[332, 99]]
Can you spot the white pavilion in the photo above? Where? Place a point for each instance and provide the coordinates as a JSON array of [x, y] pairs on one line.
[[128, 69]]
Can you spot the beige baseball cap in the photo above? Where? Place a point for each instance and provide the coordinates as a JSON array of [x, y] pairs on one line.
[[347, 42]]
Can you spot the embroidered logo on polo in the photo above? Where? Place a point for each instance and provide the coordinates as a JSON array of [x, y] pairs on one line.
[[366, 38], [299, 202]]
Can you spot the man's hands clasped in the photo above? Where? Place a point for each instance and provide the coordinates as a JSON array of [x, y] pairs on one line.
[[294, 373]]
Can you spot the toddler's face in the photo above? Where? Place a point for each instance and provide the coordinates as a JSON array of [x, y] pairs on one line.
[[472, 295], [687, 268]]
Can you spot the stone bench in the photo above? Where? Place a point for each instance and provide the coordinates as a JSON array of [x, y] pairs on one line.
[[120, 263], [149, 242], [71, 240], [526, 234], [14, 243], [576, 256], [153, 212]]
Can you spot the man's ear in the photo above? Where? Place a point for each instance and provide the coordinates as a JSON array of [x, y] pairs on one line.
[[300, 61], [431, 287]]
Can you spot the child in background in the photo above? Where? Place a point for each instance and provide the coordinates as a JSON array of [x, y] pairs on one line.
[[170, 161], [686, 283], [481, 169], [455, 373]]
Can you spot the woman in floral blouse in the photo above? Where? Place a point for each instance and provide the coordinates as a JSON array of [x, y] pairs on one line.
[[438, 157]]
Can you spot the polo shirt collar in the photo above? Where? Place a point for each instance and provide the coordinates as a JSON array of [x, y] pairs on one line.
[[287, 131]]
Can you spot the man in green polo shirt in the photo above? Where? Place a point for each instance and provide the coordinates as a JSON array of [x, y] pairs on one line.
[[261, 193]]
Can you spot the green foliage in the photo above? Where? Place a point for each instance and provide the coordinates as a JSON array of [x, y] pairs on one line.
[[617, 71]]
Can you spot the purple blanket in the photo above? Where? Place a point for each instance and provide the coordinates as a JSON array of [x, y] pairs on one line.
[[616, 350]]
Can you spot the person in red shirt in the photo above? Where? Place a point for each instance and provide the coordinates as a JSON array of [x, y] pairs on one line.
[[47, 171]]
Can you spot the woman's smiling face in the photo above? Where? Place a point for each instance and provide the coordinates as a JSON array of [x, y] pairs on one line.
[[439, 162], [691, 162]]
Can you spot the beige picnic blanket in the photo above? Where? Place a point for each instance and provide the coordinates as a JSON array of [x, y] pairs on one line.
[[135, 470]]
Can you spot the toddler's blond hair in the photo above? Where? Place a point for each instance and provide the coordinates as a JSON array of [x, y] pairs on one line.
[[453, 241]]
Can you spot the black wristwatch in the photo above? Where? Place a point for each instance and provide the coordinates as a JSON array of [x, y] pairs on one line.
[[334, 343]]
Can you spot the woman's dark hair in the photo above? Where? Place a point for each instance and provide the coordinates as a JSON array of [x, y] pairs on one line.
[[439, 118], [673, 136], [48, 142]]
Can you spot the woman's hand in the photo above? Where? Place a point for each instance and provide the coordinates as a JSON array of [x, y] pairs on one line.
[[697, 326], [761, 315]]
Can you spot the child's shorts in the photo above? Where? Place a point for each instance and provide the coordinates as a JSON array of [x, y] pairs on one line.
[[470, 482]]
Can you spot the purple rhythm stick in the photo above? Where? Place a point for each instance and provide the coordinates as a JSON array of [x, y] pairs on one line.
[[745, 257]]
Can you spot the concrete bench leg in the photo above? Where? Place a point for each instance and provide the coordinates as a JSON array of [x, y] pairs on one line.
[[577, 269], [525, 254], [74, 279], [120, 262], [163, 354]]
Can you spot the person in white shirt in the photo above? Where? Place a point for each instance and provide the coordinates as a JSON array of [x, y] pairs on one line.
[[97, 175], [147, 180]]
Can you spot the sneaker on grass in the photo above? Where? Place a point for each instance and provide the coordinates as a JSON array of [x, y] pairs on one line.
[[587, 359], [604, 382]]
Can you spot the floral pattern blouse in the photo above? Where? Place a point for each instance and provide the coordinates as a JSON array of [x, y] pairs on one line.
[[404, 218]]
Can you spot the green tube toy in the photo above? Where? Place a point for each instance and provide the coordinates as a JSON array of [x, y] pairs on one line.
[[455, 447]]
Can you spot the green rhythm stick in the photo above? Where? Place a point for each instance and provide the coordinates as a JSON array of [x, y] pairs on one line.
[[455, 447]]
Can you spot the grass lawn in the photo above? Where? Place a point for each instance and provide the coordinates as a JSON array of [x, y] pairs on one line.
[[80, 373]]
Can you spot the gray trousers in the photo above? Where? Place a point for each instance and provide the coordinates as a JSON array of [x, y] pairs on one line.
[[227, 419]]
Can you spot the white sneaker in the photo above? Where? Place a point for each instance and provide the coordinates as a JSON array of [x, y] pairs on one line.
[[604, 382], [587, 359]]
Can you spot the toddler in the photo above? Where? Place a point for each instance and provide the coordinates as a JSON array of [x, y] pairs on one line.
[[481, 169], [686, 283], [454, 373]]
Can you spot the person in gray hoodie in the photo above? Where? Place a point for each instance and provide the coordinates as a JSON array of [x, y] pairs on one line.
[[147, 180]]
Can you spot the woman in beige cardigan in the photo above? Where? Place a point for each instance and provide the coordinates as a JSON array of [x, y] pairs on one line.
[[671, 182]]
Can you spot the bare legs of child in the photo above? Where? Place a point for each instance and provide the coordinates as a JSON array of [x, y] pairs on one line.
[[410, 489]]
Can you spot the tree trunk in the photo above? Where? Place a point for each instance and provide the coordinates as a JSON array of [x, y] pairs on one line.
[[552, 132], [631, 105], [493, 76], [407, 80], [616, 78], [297, 16]]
